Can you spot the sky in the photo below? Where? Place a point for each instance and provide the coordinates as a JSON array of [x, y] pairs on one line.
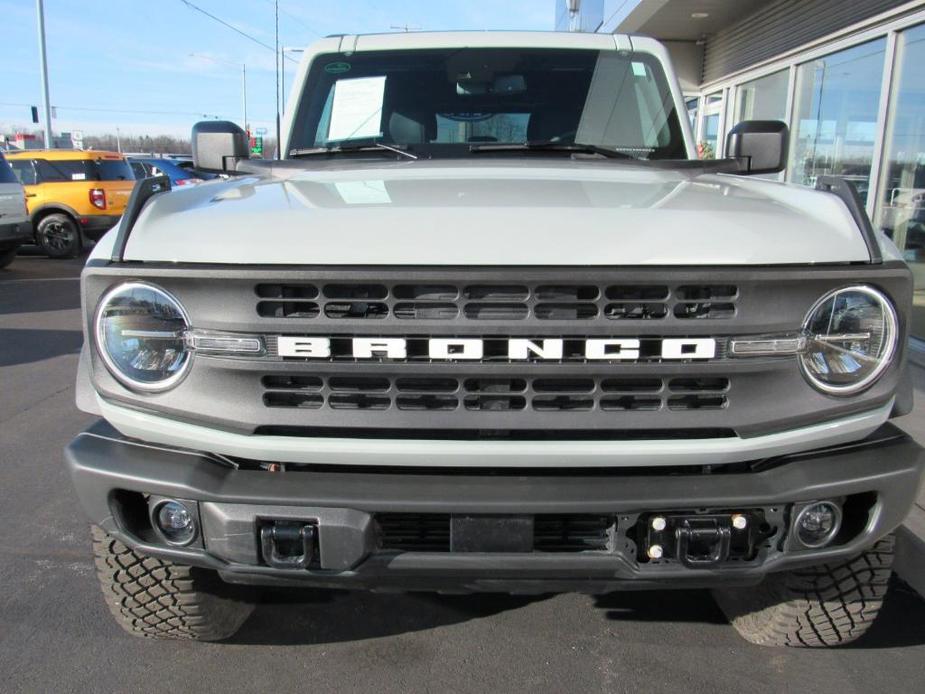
[[155, 68]]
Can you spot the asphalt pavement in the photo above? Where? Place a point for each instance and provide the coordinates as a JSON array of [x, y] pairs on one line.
[[56, 634]]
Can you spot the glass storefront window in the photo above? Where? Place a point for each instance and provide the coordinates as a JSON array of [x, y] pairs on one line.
[[764, 98], [692, 105], [901, 213], [709, 127], [835, 116]]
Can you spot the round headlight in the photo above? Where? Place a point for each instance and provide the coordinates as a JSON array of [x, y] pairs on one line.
[[140, 334], [851, 337]]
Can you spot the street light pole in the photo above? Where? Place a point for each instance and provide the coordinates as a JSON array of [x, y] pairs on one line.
[[282, 59], [244, 92], [40, 12], [276, 46], [243, 79]]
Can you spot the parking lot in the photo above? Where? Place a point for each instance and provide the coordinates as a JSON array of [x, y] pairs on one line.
[[56, 635]]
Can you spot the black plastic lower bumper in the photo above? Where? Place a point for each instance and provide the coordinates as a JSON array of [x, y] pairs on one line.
[[343, 506], [13, 235]]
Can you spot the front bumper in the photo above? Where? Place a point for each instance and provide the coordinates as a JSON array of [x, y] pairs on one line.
[[110, 472], [16, 234]]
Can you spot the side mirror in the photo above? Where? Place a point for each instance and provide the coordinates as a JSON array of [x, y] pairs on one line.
[[760, 146], [218, 145]]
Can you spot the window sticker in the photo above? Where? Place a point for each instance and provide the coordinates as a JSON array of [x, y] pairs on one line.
[[357, 108], [78, 177], [338, 68]]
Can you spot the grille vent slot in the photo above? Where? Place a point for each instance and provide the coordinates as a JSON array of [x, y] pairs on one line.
[[414, 532], [496, 394], [706, 301], [438, 301], [578, 533]]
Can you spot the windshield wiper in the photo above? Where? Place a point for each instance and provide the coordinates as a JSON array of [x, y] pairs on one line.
[[353, 147], [551, 147]]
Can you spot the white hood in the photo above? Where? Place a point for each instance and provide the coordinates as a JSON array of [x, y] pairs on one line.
[[500, 212]]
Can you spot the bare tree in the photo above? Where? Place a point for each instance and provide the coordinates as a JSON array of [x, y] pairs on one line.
[[158, 144]]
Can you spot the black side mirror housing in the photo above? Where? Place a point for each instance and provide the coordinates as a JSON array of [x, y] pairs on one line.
[[761, 146], [218, 145]]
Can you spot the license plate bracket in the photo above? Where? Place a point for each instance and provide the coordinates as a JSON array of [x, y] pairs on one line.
[[491, 533]]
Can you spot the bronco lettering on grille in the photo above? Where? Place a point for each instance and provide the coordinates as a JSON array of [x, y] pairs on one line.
[[515, 349]]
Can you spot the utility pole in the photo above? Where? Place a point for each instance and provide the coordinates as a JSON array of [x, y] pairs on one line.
[[278, 143], [40, 12], [118, 140]]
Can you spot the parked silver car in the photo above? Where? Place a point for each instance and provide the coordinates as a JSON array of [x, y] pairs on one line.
[[14, 220]]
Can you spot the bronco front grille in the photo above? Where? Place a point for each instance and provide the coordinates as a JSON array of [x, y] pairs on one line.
[[495, 302], [499, 395], [495, 394]]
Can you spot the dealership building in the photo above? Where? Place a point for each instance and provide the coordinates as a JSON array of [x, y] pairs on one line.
[[847, 76]]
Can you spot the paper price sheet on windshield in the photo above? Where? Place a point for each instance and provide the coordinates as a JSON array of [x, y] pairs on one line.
[[356, 111]]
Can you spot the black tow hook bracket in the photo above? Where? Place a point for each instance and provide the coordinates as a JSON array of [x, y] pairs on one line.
[[704, 540], [288, 545], [702, 543]]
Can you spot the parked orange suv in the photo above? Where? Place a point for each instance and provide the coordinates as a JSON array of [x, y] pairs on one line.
[[72, 195]]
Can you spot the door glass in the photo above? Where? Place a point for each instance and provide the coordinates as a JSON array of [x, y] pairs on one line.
[[24, 171], [901, 213], [835, 116], [764, 98]]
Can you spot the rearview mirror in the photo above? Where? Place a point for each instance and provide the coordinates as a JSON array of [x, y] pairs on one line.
[[503, 84], [760, 145], [218, 145]]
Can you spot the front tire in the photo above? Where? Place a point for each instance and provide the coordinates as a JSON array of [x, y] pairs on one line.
[[155, 598], [825, 605], [58, 236]]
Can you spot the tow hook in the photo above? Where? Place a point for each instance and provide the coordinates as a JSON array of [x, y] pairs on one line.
[[700, 541], [288, 545]]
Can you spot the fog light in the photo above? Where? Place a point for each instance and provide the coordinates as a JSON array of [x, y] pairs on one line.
[[175, 522], [818, 524]]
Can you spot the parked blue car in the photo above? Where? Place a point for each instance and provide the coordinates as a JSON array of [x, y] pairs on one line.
[[180, 171]]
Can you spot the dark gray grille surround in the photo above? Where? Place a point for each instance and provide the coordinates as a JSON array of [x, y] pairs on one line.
[[543, 399]]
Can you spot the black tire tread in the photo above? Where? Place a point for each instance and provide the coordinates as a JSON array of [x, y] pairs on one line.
[[73, 251], [154, 598], [825, 605]]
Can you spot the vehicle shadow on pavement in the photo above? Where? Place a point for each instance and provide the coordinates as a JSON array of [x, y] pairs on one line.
[[309, 617], [901, 622], [661, 606], [26, 346]]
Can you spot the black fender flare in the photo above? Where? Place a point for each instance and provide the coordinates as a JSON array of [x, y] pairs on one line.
[[52, 207]]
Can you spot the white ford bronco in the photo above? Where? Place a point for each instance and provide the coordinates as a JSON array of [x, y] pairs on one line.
[[489, 325]]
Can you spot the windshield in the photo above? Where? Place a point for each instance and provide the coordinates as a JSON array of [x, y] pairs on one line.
[[441, 102]]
